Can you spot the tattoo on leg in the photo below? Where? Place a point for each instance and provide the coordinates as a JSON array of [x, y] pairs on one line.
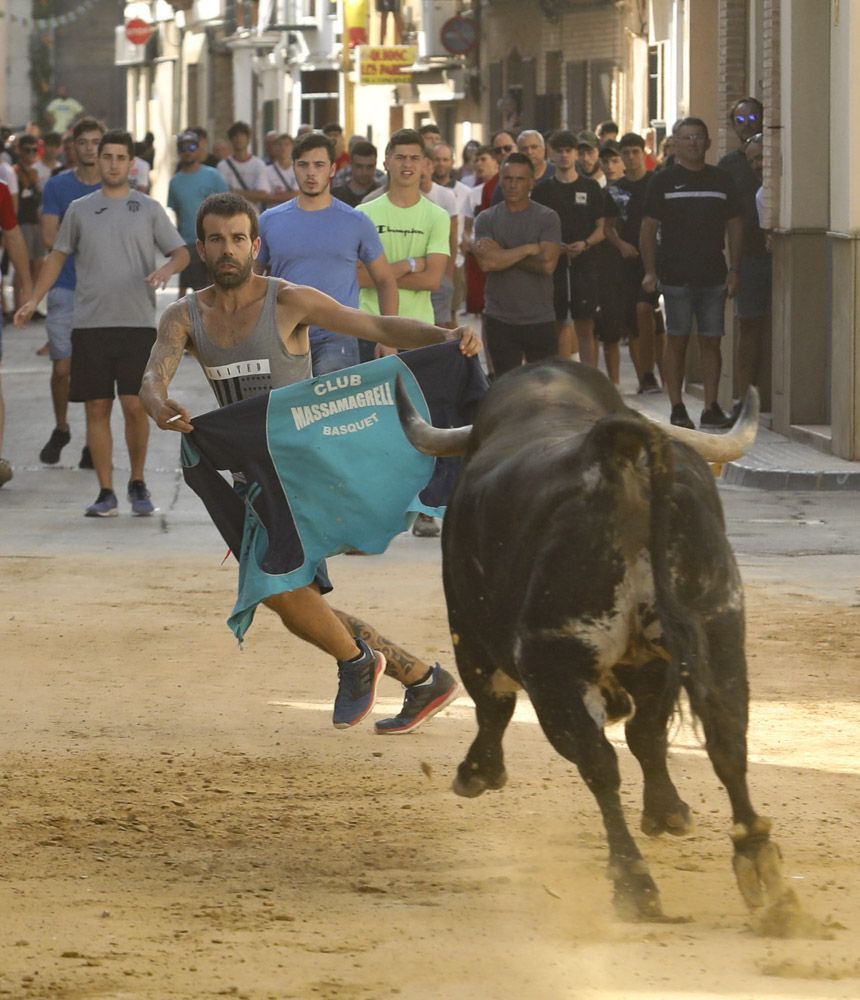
[[401, 665]]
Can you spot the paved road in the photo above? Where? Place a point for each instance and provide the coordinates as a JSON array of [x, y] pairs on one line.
[[800, 542]]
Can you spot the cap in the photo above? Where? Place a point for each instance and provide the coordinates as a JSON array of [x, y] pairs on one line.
[[562, 139], [188, 136], [610, 148], [587, 138]]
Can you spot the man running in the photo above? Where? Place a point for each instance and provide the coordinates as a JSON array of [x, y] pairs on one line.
[[245, 318]]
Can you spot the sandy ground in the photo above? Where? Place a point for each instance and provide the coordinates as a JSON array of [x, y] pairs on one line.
[[181, 820]]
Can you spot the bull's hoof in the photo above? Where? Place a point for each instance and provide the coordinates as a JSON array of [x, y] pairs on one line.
[[678, 822], [473, 784], [758, 865], [635, 895]]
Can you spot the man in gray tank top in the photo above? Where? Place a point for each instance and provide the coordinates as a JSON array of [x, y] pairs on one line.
[[250, 335]]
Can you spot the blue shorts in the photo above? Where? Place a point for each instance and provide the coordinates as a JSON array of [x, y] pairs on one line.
[[753, 297], [333, 351], [61, 303], [684, 303], [443, 300]]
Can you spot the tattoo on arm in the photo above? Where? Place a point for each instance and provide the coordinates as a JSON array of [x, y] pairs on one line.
[[167, 353]]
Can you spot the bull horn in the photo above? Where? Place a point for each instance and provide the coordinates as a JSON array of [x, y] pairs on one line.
[[723, 447], [425, 437]]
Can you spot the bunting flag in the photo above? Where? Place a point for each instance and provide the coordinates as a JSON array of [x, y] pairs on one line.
[[326, 466], [60, 21]]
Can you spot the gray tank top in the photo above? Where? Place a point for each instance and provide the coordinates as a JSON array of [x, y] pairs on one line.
[[258, 364]]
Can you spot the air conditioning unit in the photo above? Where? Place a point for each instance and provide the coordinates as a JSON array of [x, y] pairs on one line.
[[434, 13]]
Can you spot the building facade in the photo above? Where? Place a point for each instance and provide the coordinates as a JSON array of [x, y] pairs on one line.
[[481, 64]]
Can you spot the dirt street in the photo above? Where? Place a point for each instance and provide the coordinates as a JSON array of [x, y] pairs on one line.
[[181, 819]]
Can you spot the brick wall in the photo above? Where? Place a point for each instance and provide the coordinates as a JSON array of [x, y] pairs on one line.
[[732, 79], [593, 34], [772, 96]]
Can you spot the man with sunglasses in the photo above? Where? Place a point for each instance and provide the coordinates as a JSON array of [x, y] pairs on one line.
[[694, 205], [189, 187], [502, 145], [752, 305]]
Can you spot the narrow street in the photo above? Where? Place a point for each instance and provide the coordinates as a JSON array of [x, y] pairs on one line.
[[182, 821]]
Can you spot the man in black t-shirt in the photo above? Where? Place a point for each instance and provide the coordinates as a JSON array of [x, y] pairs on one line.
[[752, 305], [639, 308], [694, 205], [580, 206]]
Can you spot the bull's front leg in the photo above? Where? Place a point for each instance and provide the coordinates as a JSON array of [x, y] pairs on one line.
[[570, 713], [495, 698]]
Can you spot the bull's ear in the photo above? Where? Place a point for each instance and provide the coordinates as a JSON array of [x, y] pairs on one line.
[[425, 437]]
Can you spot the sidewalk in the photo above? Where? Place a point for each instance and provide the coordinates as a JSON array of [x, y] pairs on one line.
[[773, 463]]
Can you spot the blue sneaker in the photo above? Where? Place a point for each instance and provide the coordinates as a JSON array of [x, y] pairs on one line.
[[356, 687], [138, 495], [105, 505], [420, 703]]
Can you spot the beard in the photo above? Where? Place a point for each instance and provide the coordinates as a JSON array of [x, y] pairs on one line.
[[230, 279]]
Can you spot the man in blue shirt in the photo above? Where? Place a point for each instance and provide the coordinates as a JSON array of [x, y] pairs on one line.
[[59, 193], [319, 241], [189, 186]]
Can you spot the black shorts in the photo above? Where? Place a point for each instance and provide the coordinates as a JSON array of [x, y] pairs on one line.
[[575, 293], [634, 293], [388, 6], [510, 345], [104, 357]]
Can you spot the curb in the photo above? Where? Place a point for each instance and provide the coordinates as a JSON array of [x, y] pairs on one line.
[[738, 474]]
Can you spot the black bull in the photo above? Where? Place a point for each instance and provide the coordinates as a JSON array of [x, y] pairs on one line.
[[585, 560]]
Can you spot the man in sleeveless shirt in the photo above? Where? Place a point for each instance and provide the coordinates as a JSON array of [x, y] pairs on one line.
[[244, 317]]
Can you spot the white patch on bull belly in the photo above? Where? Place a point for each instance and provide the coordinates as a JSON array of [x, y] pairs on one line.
[[595, 705], [591, 478], [610, 636]]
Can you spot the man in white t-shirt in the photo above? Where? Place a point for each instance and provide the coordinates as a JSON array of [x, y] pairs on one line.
[[443, 297], [138, 178], [244, 172], [443, 174], [282, 177]]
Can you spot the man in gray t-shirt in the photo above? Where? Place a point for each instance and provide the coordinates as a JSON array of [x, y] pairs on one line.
[[517, 244], [115, 234]]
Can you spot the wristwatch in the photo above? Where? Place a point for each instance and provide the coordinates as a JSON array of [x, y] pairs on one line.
[[412, 264]]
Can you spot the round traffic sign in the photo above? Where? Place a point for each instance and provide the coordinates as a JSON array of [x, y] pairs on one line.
[[138, 31], [459, 35]]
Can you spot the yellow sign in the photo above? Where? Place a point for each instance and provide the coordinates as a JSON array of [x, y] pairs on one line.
[[356, 19], [386, 63]]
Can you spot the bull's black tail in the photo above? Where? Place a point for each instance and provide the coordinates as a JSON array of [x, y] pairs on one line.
[[621, 439]]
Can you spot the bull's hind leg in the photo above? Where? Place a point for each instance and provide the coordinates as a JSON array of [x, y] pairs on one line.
[[721, 702], [663, 810], [551, 677], [495, 699]]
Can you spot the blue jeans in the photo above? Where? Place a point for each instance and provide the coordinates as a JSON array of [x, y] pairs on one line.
[[332, 351], [684, 303]]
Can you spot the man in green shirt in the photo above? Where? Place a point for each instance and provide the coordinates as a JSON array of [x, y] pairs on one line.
[[414, 231], [416, 237]]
